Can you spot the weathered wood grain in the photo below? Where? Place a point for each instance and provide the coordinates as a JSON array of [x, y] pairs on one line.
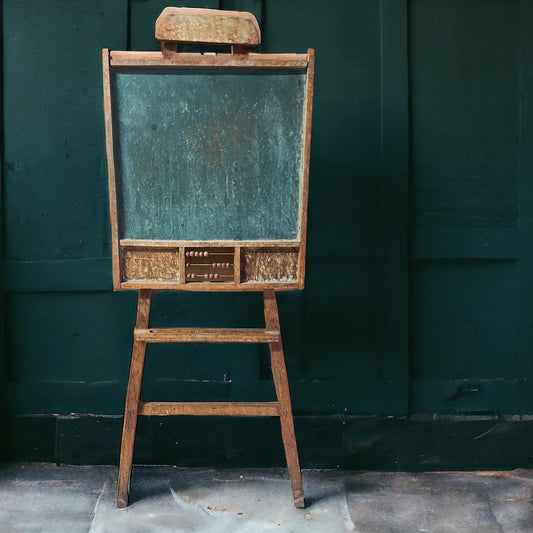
[[308, 119], [269, 264], [132, 399], [193, 25], [281, 383], [160, 264], [209, 408], [108, 118], [157, 243], [250, 286], [209, 335], [121, 58]]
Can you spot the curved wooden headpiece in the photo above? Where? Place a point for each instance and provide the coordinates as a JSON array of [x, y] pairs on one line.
[[207, 26]]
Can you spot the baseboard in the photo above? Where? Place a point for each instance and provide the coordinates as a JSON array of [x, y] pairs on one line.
[[417, 443]]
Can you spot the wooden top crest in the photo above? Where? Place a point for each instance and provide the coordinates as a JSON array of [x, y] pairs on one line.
[[191, 25]]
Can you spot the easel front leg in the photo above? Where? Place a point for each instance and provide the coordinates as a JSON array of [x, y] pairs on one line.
[[281, 382], [132, 400]]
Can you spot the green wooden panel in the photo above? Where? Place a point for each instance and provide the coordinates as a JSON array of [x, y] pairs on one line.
[[76, 337], [55, 199], [205, 154], [466, 320], [465, 87], [451, 243], [501, 396], [90, 274], [471, 143]]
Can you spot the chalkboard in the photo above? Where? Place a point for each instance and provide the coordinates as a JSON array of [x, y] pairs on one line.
[[208, 164], [208, 153]]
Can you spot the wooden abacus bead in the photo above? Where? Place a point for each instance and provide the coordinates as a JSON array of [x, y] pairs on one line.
[[193, 275], [206, 276], [228, 265], [187, 254], [206, 253], [214, 265], [196, 254], [215, 276]]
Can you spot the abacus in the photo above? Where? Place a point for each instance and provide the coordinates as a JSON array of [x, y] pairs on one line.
[[208, 166]]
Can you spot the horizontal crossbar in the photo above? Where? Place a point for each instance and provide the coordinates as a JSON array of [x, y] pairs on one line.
[[162, 335], [209, 408]]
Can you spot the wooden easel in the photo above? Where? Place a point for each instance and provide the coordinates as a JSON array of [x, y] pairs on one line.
[[239, 30]]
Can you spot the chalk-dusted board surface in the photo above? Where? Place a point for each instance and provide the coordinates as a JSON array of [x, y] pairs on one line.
[[208, 153]]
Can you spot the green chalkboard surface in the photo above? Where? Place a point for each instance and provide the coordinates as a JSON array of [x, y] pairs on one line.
[[208, 153]]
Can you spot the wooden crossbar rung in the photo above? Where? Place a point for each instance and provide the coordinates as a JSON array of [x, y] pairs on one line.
[[209, 408], [162, 335]]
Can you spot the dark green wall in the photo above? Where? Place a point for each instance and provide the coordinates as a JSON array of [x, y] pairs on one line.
[[419, 263]]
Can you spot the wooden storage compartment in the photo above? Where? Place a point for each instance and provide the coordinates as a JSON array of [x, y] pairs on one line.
[[150, 264], [269, 265], [209, 265]]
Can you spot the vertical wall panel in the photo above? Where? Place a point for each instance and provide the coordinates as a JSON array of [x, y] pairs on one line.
[[55, 217], [470, 118], [55, 176]]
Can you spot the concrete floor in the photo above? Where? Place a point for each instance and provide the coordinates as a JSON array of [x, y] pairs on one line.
[[49, 498]]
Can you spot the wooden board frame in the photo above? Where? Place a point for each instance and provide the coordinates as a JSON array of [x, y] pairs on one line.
[[117, 59]]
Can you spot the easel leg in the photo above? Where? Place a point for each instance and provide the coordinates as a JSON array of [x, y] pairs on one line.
[[132, 400], [281, 382]]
